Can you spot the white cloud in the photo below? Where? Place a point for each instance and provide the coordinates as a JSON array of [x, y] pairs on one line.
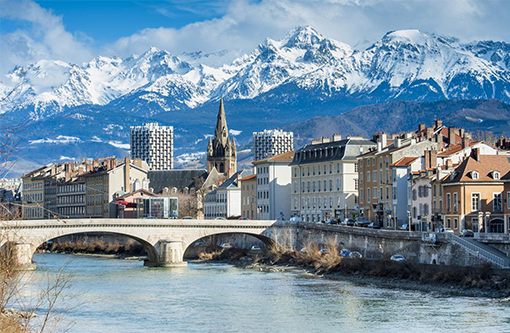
[[45, 37], [246, 23], [61, 139]]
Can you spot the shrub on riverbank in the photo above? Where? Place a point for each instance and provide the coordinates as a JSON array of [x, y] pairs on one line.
[[329, 262], [94, 246]]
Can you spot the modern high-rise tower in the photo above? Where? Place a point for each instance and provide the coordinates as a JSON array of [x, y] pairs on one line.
[[153, 144], [271, 143], [221, 151]]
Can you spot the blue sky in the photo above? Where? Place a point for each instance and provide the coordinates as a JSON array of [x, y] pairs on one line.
[[106, 21], [76, 31]]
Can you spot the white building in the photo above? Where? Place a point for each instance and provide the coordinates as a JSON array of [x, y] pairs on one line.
[[225, 200], [271, 142], [153, 144], [274, 177], [325, 178]]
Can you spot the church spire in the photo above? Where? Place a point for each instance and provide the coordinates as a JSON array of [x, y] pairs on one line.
[[221, 133]]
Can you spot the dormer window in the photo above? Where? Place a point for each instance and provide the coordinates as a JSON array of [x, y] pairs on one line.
[[474, 175], [496, 175]]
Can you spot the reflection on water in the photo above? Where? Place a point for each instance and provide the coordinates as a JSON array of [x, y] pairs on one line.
[[124, 296]]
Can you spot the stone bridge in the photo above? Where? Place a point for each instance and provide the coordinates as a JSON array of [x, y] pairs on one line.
[[165, 241]]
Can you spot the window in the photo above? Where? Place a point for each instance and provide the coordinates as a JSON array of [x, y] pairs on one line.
[[474, 175], [361, 163], [318, 186], [495, 175], [455, 223], [368, 176], [448, 202], [414, 195], [361, 177], [360, 195], [414, 212], [355, 167], [387, 193], [475, 202], [330, 185], [368, 162], [449, 223], [374, 193], [426, 209], [497, 204], [374, 176], [356, 184], [508, 200], [455, 201], [368, 194]]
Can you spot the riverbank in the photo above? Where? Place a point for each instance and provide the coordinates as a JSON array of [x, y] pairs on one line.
[[439, 280]]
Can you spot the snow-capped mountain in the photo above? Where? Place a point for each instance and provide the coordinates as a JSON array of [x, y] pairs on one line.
[[280, 82], [406, 64]]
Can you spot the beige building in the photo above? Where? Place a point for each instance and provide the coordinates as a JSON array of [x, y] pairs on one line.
[[105, 183], [473, 195], [325, 178], [249, 197]]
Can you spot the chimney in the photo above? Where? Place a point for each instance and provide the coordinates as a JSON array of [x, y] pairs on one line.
[[337, 137], [413, 142], [325, 139], [426, 155], [379, 146], [398, 142], [384, 139], [421, 127], [439, 123], [429, 133], [449, 164], [475, 153], [127, 172], [439, 140], [408, 135], [433, 158]]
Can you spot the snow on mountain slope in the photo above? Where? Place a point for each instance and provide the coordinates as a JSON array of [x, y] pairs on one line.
[[405, 64]]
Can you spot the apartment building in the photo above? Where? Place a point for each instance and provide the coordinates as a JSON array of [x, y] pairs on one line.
[[271, 142], [383, 178], [225, 200], [105, 183], [70, 198], [473, 194], [325, 178], [153, 144], [274, 177], [249, 197]]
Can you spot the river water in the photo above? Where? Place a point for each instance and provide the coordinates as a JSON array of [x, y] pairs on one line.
[[112, 295]]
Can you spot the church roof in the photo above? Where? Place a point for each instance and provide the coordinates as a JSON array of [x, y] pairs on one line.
[[179, 179]]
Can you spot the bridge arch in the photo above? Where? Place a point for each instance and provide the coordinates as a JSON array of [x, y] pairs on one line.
[[150, 249], [191, 240]]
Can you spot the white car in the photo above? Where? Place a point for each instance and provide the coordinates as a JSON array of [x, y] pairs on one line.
[[226, 246], [199, 243], [256, 248], [398, 258], [220, 218]]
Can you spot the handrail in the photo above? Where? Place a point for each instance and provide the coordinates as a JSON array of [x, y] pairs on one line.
[[480, 252]]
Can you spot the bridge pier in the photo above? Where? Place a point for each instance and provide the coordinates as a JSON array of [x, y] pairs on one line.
[[170, 254], [21, 255]]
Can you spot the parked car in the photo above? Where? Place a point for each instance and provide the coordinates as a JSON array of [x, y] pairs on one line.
[[324, 251], [348, 222], [398, 258], [296, 219], [187, 218], [362, 223], [219, 218], [256, 248], [355, 254], [374, 225], [199, 243], [446, 230], [244, 218], [226, 246], [467, 233], [345, 253]]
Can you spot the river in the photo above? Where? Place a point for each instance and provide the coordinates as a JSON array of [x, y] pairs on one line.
[[124, 296]]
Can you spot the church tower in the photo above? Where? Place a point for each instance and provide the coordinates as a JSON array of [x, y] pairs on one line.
[[221, 151]]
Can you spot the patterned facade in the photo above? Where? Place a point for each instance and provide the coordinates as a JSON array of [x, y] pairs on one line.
[[271, 142], [153, 144]]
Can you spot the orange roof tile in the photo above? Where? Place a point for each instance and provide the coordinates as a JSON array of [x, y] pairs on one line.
[[248, 177], [484, 166], [285, 157], [404, 161]]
